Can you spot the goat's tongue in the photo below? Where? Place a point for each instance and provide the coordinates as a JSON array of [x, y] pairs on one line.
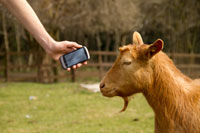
[[125, 103]]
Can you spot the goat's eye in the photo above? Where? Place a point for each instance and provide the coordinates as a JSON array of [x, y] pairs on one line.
[[127, 63]]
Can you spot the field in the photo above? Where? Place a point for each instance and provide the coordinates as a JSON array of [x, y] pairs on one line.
[[68, 108]]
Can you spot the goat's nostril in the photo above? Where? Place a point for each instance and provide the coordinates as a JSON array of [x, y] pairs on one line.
[[102, 85]]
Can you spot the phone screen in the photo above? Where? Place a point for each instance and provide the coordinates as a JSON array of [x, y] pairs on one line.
[[75, 57]]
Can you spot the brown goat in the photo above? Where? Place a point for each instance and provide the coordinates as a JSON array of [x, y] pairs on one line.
[[174, 97]]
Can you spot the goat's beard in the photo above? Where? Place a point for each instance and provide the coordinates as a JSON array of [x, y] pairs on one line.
[[125, 97], [126, 101], [117, 92]]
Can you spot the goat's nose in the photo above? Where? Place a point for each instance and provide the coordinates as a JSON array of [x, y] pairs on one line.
[[102, 85]]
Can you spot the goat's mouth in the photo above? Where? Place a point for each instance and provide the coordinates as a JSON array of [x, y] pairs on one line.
[[109, 92], [114, 92]]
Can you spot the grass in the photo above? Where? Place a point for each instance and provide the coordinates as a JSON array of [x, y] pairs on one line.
[[68, 108]]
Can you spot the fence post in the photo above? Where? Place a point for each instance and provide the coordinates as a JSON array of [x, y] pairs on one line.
[[100, 65], [73, 75], [55, 71], [191, 63], [39, 65]]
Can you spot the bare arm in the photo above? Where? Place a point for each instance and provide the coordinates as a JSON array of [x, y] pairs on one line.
[[25, 14]]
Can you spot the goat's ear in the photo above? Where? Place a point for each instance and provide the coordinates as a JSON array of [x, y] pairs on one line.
[[154, 48], [137, 39]]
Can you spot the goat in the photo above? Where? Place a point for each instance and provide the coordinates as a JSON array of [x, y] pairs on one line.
[[142, 68]]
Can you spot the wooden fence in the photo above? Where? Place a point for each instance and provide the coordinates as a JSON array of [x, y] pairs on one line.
[[188, 63]]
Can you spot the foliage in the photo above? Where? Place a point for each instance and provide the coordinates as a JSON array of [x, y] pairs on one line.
[[177, 22], [104, 25], [110, 23]]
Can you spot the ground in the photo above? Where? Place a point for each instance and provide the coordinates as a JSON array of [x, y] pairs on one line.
[[68, 108]]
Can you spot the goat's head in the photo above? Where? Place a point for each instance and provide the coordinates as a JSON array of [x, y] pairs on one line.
[[132, 70]]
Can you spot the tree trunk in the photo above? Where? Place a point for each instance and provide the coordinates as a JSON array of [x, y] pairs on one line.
[[17, 36], [86, 41], [30, 56], [7, 49], [54, 68], [108, 40], [99, 44], [123, 41], [117, 41], [98, 40]]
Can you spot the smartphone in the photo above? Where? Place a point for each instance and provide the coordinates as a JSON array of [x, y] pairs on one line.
[[77, 56]]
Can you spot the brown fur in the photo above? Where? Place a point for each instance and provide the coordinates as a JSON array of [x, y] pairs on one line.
[[174, 97]]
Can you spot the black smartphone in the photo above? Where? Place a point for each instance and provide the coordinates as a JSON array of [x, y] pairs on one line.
[[77, 56]]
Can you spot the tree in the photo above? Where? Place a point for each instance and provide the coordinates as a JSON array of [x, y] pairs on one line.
[[176, 21]]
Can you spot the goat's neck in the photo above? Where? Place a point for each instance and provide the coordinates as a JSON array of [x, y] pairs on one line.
[[169, 88]]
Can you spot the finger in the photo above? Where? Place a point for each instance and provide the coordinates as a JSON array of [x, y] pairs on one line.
[[85, 63], [68, 69], [69, 49], [78, 65], [74, 67]]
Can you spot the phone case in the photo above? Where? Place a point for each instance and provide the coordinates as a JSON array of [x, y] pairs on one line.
[[75, 57]]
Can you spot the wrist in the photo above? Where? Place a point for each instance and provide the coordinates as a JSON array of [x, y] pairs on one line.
[[50, 46], [47, 44]]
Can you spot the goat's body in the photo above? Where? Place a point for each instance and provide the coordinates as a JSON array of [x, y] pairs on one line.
[[174, 98]]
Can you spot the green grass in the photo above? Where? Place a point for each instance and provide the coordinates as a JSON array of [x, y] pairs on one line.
[[67, 108]]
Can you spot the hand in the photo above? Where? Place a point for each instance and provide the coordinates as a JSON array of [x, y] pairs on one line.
[[26, 15], [58, 49]]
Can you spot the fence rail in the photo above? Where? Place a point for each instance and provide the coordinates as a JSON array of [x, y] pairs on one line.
[[6, 69]]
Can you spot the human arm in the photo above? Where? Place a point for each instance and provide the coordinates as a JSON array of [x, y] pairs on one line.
[[26, 15]]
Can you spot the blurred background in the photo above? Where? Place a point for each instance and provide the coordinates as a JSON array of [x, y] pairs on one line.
[[27, 106], [103, 26]]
